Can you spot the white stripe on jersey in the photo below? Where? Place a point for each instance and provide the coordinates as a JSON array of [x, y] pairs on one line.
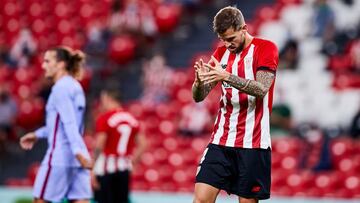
[[236, 107], [250, 116], [99, 165], [265, 141], [220, 129], [111, 164]]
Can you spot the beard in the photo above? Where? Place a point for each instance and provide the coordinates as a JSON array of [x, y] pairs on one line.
[[241, 45]]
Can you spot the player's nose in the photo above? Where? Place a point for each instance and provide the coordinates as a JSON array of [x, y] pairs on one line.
[[227, 44]]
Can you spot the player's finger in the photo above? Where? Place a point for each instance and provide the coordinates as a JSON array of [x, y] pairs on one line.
[[207, 74], [201, 62], [210, 80], [215, 60], [209, 66], [196, 65]]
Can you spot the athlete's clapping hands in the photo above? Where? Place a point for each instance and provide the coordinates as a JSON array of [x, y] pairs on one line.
[[210, 72]]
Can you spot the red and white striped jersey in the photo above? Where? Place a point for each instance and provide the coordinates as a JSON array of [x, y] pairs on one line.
[[120, 128], [243, 120]]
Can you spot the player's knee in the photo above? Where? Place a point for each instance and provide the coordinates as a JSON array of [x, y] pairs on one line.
[[202, 199], [245, 200]]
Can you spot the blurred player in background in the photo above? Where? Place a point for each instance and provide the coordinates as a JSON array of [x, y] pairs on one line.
[[64, 172], [238, 158], [119, 146]]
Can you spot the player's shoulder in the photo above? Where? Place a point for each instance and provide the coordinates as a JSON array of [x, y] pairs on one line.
[[219, 51], [264, 43], [122, 113], [130, 118], [116, 116], [221, 48], [66, 81], [129, 115], [67, 84]]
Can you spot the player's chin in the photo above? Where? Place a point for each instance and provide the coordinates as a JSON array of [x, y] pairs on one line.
[[232, 49]]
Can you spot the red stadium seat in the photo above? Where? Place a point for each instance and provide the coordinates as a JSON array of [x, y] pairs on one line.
[[175, 159], [267, 13], [18, 182], [140, 185], [167, 17], [32, 171], [147, 159], [167, 127], [289, 163], [122, 49]]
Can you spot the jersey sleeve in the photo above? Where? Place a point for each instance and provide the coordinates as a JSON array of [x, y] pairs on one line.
[[219, 52], [41, 132], [65, 108], [268, 57]]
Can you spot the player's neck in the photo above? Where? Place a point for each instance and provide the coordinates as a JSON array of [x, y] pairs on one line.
[[114, 105], [60, 75], [248, 40]]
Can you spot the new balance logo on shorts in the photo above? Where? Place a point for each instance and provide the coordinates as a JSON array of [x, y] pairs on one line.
[[255, 189]]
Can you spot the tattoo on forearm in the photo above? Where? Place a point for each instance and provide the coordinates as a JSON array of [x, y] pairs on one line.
[[201, 91], [257, 88]]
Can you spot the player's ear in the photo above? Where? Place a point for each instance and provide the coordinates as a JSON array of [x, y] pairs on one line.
[[61, 64], [245, 27]]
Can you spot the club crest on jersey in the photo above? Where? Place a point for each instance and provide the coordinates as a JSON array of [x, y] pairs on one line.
[[226, 85]]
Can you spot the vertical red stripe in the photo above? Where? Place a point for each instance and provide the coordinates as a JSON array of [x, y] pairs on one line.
[[243, 100], [50, 157], [228, 105], [216, 126], [271, 96], [229, 110], [240, 127]]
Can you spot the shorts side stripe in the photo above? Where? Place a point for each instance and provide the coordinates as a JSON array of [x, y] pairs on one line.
[[50, 158]]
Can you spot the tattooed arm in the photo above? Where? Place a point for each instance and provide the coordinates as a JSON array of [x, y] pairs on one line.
[[257, 88], [201, 90]]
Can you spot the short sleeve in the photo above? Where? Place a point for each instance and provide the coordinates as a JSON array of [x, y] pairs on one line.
[[219, 52], [101, 125], [268, 56]]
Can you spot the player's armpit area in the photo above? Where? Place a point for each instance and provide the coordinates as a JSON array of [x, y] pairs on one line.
[[258, 87], [264, 68]]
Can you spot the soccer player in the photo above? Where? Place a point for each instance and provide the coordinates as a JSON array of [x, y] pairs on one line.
[[119, 145], [238, 157], [64, 171]]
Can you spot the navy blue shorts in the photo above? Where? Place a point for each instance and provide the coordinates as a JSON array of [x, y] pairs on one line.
[[239, 171], [114, 188]]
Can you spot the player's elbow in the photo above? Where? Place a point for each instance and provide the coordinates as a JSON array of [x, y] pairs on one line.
[[262, 93]]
